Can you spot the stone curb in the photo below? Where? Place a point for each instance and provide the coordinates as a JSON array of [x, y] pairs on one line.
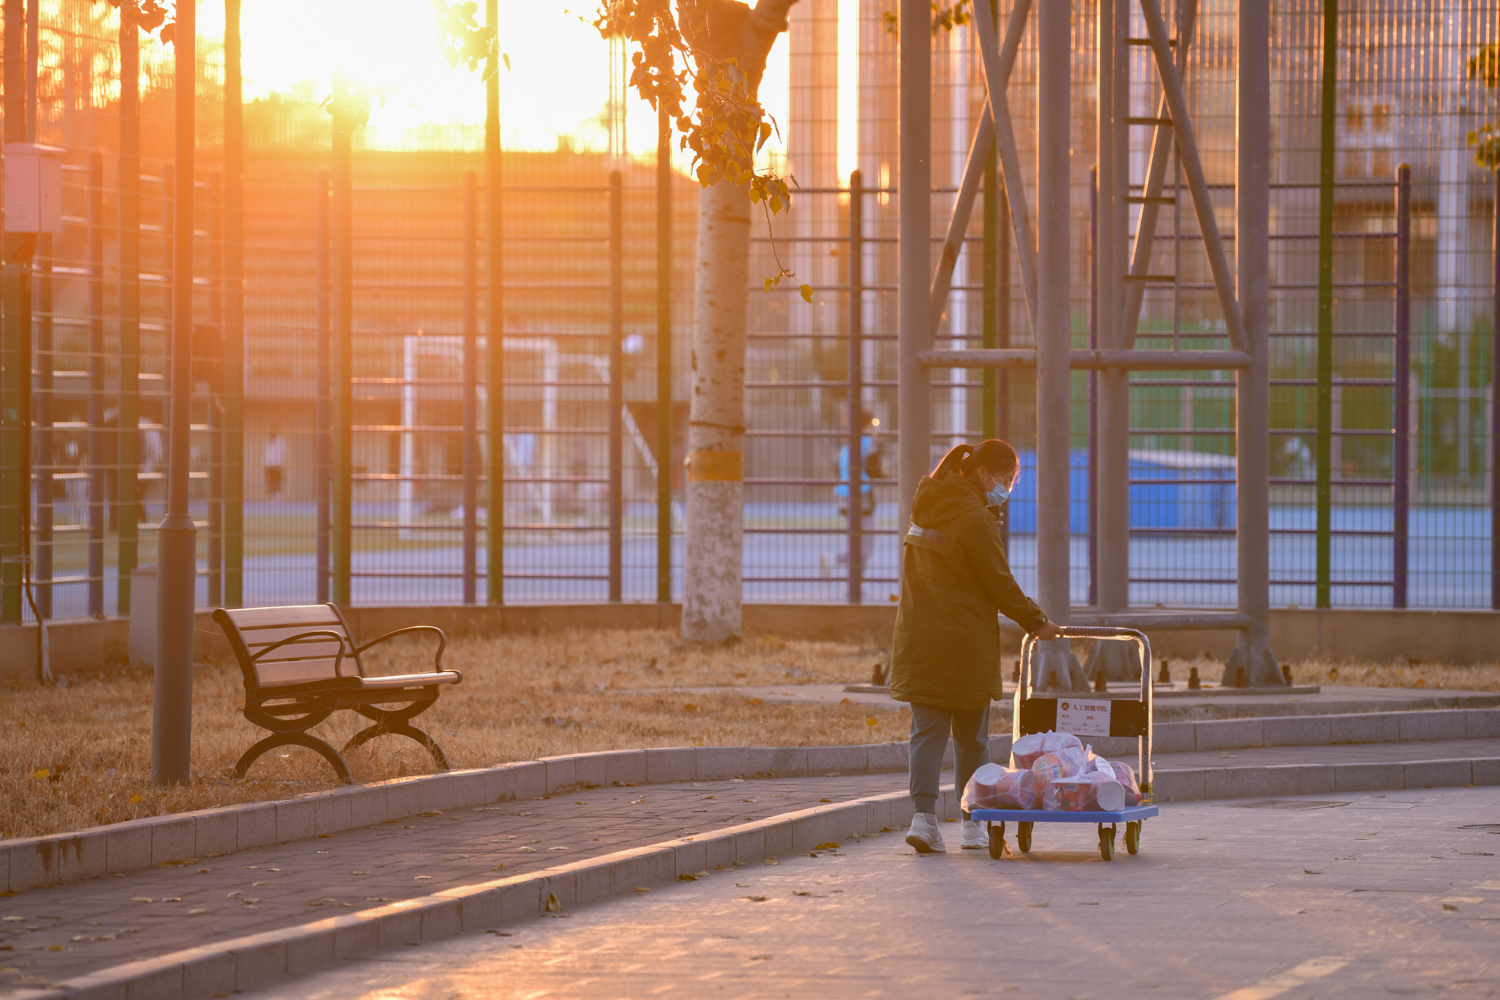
[[1322, 779], [256, 960], [133, 845]]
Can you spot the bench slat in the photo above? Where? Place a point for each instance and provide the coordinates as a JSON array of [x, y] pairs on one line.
[[283, 672], [261, 638], [302, 614]]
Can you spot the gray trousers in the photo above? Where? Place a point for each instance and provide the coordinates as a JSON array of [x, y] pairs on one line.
[[930, 726]]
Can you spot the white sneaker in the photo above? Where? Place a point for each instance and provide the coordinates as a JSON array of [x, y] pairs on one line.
[[976, 838], [924, 834]]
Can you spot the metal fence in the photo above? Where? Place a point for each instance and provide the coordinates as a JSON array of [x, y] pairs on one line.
[[1383, 409]]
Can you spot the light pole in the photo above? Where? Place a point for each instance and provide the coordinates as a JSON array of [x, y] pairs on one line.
[[177, 536]]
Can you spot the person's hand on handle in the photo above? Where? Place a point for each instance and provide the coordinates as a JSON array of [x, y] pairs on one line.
[[1048, 631]]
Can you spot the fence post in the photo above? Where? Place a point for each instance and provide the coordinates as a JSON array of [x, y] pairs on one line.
[[322, 445], [232, 378], [1495, 411], [98, 476], [855, 484], [128, 443], [1401, 459], [1093, 487], [471, 383], [341, 389], [495, 380], [1326, 162], [15, 336], [616, 383], [665, 467], [215, 367], [45, 361]]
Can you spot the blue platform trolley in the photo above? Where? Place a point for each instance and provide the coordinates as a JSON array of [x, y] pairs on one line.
[[1101, 715]]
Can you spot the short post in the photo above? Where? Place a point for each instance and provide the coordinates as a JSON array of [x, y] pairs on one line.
[[322, 441], [470, 442], [177, 535], [1401, 427], [855, 479], [616, 384], [99, 448], [664, 464], [45, 362]]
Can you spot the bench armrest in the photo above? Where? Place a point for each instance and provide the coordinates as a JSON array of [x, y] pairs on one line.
[[328, 633], [437, 661]]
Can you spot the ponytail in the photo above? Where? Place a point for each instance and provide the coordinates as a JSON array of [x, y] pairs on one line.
[[954, 461], [996, 455]]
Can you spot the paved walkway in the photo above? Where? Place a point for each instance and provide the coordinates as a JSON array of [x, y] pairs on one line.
[[1373, 896], [50, 934]]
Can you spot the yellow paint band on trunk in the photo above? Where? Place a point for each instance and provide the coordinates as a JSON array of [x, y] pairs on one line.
[[715, 467]]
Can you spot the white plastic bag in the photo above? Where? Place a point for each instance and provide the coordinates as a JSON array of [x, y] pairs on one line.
[[1025, 751]]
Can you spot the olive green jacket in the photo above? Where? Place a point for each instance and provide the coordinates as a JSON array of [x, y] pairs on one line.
[[954, 578]]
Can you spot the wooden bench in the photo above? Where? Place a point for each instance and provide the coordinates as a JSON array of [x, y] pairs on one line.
[[295, 661]]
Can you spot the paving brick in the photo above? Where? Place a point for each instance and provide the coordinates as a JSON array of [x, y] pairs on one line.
[[1179, 786], [896, 756], [529, 779], [1225, 734], [1486, 770], [788, 762], [399, 925], [837, 760], [309, 951], [671, 764], [296, 819], [355, 937], [1439, 774], [591, 769], [81, 856], [1297, 730], [214, 832], [436, 792], [173, 838], [33, 862], [1174, 737], [441, 920], [255, 826], [720, 763], [127, 848], [366, 806], [469, 788], [209, 973], [1437, 725], [1369, 727], [164, 982], [1482, 723], [560, 773], [403, 798], [628, 767], [1368, 777]]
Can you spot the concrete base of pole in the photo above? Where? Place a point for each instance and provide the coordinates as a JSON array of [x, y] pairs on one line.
[[172, 688], [1058, 670], [1119, 661], [1261, 668]]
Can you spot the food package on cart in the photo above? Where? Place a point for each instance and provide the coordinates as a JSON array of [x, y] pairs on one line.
[[1026, 750], [1125, 775], [1097, 789], [996, 787], [1064, 763]]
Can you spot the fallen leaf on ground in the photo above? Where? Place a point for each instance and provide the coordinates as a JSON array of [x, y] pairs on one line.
[[641, 888], [420, 877], [351, 873], [829, 846], [755, 899], [498, 867], [553, 906], [1041, 905], [527, 850], [454, 857], [195, 912], [141, 899], [1311, 871], [825, 800], [172, 899], [796, 893], [685, 877], [557, 848]]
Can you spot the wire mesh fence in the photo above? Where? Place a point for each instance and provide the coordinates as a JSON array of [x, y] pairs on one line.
[[1383, 408]]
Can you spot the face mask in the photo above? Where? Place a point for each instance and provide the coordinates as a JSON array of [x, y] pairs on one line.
[[998, 495]]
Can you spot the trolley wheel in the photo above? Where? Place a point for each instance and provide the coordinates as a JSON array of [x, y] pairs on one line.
[[1106, 843], [1133, 836], [1023, 837], [997, 841]]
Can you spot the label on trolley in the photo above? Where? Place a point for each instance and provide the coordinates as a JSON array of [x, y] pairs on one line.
[[1083, 718]]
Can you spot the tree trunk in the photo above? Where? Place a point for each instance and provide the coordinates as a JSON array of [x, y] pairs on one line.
[[712, 587], [716, 423]]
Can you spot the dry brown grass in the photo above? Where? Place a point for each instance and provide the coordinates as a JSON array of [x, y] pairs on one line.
[[80, 756], [1432, 676]]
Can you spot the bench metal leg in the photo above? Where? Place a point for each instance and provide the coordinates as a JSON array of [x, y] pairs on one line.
[[395, 724], [299, 740]]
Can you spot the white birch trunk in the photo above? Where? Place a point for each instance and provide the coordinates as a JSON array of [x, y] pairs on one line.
[[712, 587]]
